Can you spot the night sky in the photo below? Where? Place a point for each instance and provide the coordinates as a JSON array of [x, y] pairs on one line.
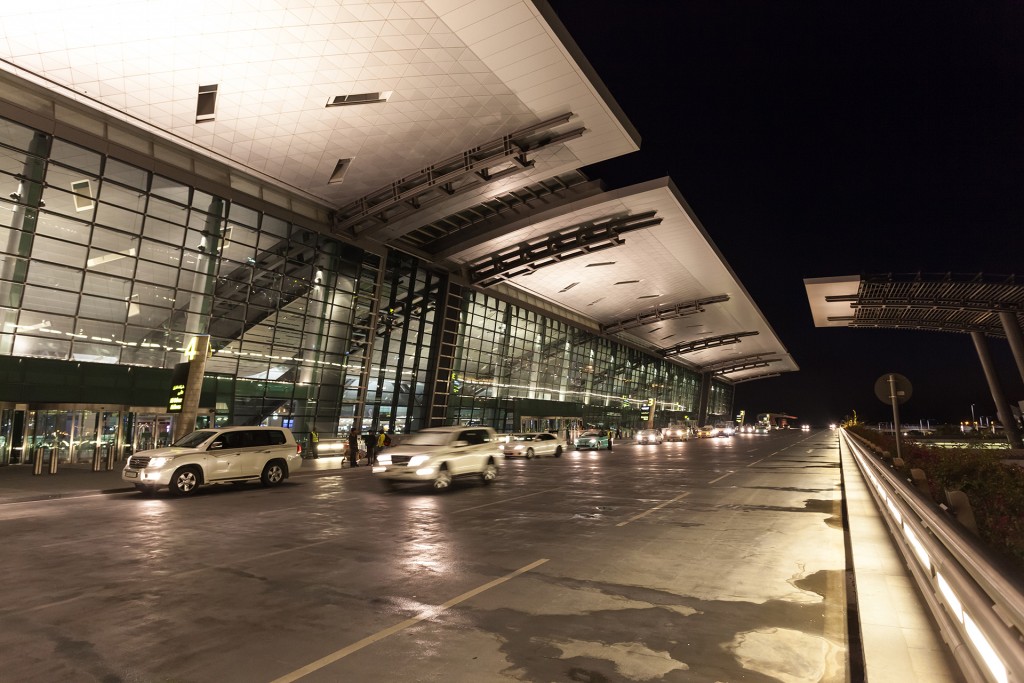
[[818, 139]]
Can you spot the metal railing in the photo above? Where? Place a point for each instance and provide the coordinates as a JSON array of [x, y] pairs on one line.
[[979, 611]]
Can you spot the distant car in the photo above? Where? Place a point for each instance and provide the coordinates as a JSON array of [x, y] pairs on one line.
[[805, 428], [438, 455], [645, 436], [706, 432], [761, 429], [594, 440], [725, 428], [532, 445], [226, 455], [677, 433]]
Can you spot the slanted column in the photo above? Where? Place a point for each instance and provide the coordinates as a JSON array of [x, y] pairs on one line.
[[1013, 336], [1002, 407]]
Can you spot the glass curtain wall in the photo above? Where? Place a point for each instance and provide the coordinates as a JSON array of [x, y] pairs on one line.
[[104, 262], [404, 340], [720, 401], [507, 353]]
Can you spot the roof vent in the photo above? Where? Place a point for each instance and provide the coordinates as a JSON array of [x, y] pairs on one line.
[[206, 103], [360, 98], [340, 169]]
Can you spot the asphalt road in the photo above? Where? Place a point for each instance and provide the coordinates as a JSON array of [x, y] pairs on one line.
[[711, 560]]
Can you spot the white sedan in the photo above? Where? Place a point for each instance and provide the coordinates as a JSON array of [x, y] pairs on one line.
[[532, 445]]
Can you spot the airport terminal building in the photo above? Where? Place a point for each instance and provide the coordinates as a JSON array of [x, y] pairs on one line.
[[362, 214]]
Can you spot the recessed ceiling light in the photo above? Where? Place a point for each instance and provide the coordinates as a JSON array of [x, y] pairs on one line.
[[668, 337], [340, 169], [206, 103], [595, 301], [649, 296], [627, 282], [568, 288], [602, 263], [652, 331]]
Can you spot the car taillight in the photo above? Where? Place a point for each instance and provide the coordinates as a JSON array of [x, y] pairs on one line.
[[298, 449]]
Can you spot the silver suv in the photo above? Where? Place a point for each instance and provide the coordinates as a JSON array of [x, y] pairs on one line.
[[216, 456], [440, 454]]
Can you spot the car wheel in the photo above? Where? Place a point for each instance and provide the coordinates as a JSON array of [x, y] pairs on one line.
[[273, 473], [185, 481], [529, 454], [558, 451], [145, 489], [490, 472], [444, 478]]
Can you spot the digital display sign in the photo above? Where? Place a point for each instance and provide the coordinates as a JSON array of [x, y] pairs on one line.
[[179, 381]]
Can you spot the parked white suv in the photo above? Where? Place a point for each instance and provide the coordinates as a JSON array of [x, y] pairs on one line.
[[216, 456], [440, 454]]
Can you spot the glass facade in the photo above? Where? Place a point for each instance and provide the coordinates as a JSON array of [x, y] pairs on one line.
[[106, 268], [102, 262], [514, 364]]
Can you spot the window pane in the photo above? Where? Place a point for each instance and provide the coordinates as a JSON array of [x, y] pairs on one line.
[[75, 156], [159, 252], [42, 347], [113, 264], [112, 240], [50, 300], [53, 275], [91, 352], [167, 188], [123, 196], [53, 225], [76, 205], [99, 308], [163, 231], [125, 174], [117, 217], [106, 285], [157, 274], [16, 136]]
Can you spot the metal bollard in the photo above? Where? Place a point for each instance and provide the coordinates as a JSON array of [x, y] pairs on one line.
[[97, 460], [54, 457], [37, 464], [110, 456]]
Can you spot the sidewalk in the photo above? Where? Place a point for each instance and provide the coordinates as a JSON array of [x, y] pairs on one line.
[[18, 484]]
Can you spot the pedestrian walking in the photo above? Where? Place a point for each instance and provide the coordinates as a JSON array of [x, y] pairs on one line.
[[353, 447], [314, 444], [382, 440]]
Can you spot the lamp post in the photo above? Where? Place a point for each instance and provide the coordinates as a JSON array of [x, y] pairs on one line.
[[974, 423]]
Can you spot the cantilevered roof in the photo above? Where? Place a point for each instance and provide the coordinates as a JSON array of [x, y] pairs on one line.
[[942, 302], [638, 262], [335, 100]]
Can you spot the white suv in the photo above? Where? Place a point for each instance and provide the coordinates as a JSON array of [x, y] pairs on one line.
[[216, 456], [440, 454]]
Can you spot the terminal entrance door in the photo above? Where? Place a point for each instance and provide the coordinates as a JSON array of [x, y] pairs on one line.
[[74, 436]]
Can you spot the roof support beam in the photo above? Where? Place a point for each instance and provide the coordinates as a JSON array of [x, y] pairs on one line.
[[755, 360], [486, 163], [572, 242], [663, 313], [707, 343]]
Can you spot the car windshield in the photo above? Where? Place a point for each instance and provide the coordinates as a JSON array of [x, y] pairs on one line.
[[426, 439], [590, 435], [523, 437], [194, 439], [648, 432]]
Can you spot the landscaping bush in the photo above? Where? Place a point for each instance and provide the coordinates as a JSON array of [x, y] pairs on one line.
[[995, 488]]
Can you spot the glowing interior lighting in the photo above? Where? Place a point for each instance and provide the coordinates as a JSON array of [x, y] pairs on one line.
[[895, 512], [952, 602], [915, 543], [984, 648]]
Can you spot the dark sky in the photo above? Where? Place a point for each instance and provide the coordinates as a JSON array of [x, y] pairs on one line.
[[817, 139]]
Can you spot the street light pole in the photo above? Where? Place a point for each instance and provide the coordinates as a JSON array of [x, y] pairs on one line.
[[974, 422]]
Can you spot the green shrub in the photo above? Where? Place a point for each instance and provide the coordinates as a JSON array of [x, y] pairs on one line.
[[995, 488]]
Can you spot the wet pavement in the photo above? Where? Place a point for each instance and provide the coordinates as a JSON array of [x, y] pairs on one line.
[[711, 560]]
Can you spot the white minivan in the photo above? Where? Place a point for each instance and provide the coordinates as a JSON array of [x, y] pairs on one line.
[[216, 456]]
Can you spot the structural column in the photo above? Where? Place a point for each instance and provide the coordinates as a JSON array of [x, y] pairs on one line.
[[1013, 335], [1002, 407]]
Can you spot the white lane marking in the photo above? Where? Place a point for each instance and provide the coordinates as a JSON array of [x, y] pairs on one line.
[[657, 507], [715, 481], [380, 635], [506, 500]]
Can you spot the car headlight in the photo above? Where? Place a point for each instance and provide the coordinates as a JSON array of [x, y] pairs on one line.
[[417, 460], [518, 448], [158, 462]]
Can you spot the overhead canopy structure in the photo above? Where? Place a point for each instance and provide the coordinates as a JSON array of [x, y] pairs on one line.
[[977, 304], [452, 131]]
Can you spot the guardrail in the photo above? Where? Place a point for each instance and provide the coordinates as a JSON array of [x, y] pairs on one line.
[[980, 612]]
